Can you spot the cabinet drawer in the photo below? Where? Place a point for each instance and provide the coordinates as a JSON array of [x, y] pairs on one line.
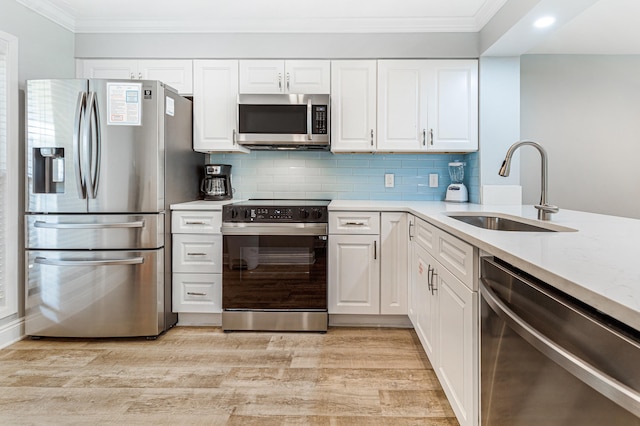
[[197, 293], [354, 223], [457, 256], [196, 222], [197, 253], [424, 235]]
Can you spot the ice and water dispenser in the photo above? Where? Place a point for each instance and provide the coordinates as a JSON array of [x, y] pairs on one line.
[[48, 170]]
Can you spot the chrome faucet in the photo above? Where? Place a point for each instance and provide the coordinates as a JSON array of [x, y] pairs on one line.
[[544, 209]]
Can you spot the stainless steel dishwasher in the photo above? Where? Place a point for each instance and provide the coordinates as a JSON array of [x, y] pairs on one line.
[[548, 359]]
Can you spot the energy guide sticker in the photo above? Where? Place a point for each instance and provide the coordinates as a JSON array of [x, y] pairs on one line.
[[124, 105]]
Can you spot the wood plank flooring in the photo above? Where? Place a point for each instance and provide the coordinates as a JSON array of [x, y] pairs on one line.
[[203, 376]]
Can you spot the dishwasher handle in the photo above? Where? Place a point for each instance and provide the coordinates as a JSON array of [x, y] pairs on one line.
[[587, 373]]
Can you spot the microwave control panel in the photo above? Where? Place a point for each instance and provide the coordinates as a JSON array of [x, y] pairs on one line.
[[319, 114]]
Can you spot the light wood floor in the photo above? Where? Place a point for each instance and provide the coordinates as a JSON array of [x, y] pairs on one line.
[[201, 375]]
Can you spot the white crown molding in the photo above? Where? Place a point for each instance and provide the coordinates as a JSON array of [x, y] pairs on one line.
[[252, 25], [488, 11], [51, 12]]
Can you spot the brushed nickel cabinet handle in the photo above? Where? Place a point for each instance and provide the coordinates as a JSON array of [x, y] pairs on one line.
[[431, 136], [424, 137], [194, 293], [371, 137]]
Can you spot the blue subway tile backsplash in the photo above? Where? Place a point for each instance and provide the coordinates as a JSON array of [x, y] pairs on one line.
[[323, 175]]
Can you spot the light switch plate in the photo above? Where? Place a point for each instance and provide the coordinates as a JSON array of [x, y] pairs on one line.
[[388, 180], [433, 180]]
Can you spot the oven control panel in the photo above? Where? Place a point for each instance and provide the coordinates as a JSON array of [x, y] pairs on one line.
[[231, 213]]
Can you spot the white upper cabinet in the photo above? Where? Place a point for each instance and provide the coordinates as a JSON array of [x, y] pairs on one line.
[[215, 94], [452, 108], [175, 73], [280, 76], [353, 106], [427, 105], [122, 69], [402, 106]]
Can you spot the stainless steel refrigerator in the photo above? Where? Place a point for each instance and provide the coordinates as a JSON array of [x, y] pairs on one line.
[[105, 159]]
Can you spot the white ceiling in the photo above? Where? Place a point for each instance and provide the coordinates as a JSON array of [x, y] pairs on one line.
[[592, 26]]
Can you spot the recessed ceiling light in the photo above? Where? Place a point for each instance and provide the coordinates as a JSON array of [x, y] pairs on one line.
[[544, 22]]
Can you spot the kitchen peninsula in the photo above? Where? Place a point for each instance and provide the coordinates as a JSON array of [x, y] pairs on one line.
[[598, 264]]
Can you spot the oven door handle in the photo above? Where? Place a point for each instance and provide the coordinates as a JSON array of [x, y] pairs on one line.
[[274, 229], [587, 373]]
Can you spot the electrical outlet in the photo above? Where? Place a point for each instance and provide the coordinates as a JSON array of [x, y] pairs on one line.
[[433, 180], [388, 180]]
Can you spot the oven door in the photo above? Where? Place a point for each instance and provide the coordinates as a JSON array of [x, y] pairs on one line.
[[275, 268]]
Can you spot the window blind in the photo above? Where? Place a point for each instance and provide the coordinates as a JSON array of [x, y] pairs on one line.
[[3, 171]]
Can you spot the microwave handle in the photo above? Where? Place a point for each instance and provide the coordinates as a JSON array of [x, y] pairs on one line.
[[309, 135]]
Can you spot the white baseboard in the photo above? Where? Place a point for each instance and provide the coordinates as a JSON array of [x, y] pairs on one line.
[[11, 333]]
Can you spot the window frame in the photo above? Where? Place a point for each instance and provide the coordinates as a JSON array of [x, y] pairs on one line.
[[10, 199]]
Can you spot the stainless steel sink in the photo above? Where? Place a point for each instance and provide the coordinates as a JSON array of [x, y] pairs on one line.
[[501, 222]]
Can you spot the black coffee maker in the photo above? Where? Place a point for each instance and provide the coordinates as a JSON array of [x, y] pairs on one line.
[[216, 184]]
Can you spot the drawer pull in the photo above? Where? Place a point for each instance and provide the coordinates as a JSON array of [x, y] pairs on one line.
[[355, 223], [189, 222], [196, 254], [194, 293]]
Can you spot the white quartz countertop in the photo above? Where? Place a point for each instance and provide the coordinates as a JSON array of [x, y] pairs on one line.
[[599, 264]]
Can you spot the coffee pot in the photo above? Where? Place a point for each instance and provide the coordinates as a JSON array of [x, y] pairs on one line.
[[216, 184]]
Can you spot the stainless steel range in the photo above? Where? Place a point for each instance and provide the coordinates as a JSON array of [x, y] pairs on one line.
[[275, 265]]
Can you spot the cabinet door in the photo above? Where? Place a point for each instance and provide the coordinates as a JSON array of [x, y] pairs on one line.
[[426, 301], [353, 106], [215, 93], [122, 69], [452, 105], [393, 267], [402, 106], [457, 343], [262, 76], [411, 261], [354, 274], [175, 73], [308, 77]]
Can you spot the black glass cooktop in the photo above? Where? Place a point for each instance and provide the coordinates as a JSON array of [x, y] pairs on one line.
[[261, 202]]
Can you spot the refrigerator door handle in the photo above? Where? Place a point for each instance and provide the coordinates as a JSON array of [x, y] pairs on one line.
[[110, 262], [77, 141], [94, 125], [41, 224]]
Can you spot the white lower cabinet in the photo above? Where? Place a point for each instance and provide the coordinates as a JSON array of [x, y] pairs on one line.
[[196, 261], [354, 274], [457, 340], [444, 306], [393, 266], [368, 263]]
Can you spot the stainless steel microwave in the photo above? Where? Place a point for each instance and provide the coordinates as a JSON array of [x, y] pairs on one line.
[[283, 121]]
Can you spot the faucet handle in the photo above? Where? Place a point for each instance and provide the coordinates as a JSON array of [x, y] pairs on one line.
[[545, 211]]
